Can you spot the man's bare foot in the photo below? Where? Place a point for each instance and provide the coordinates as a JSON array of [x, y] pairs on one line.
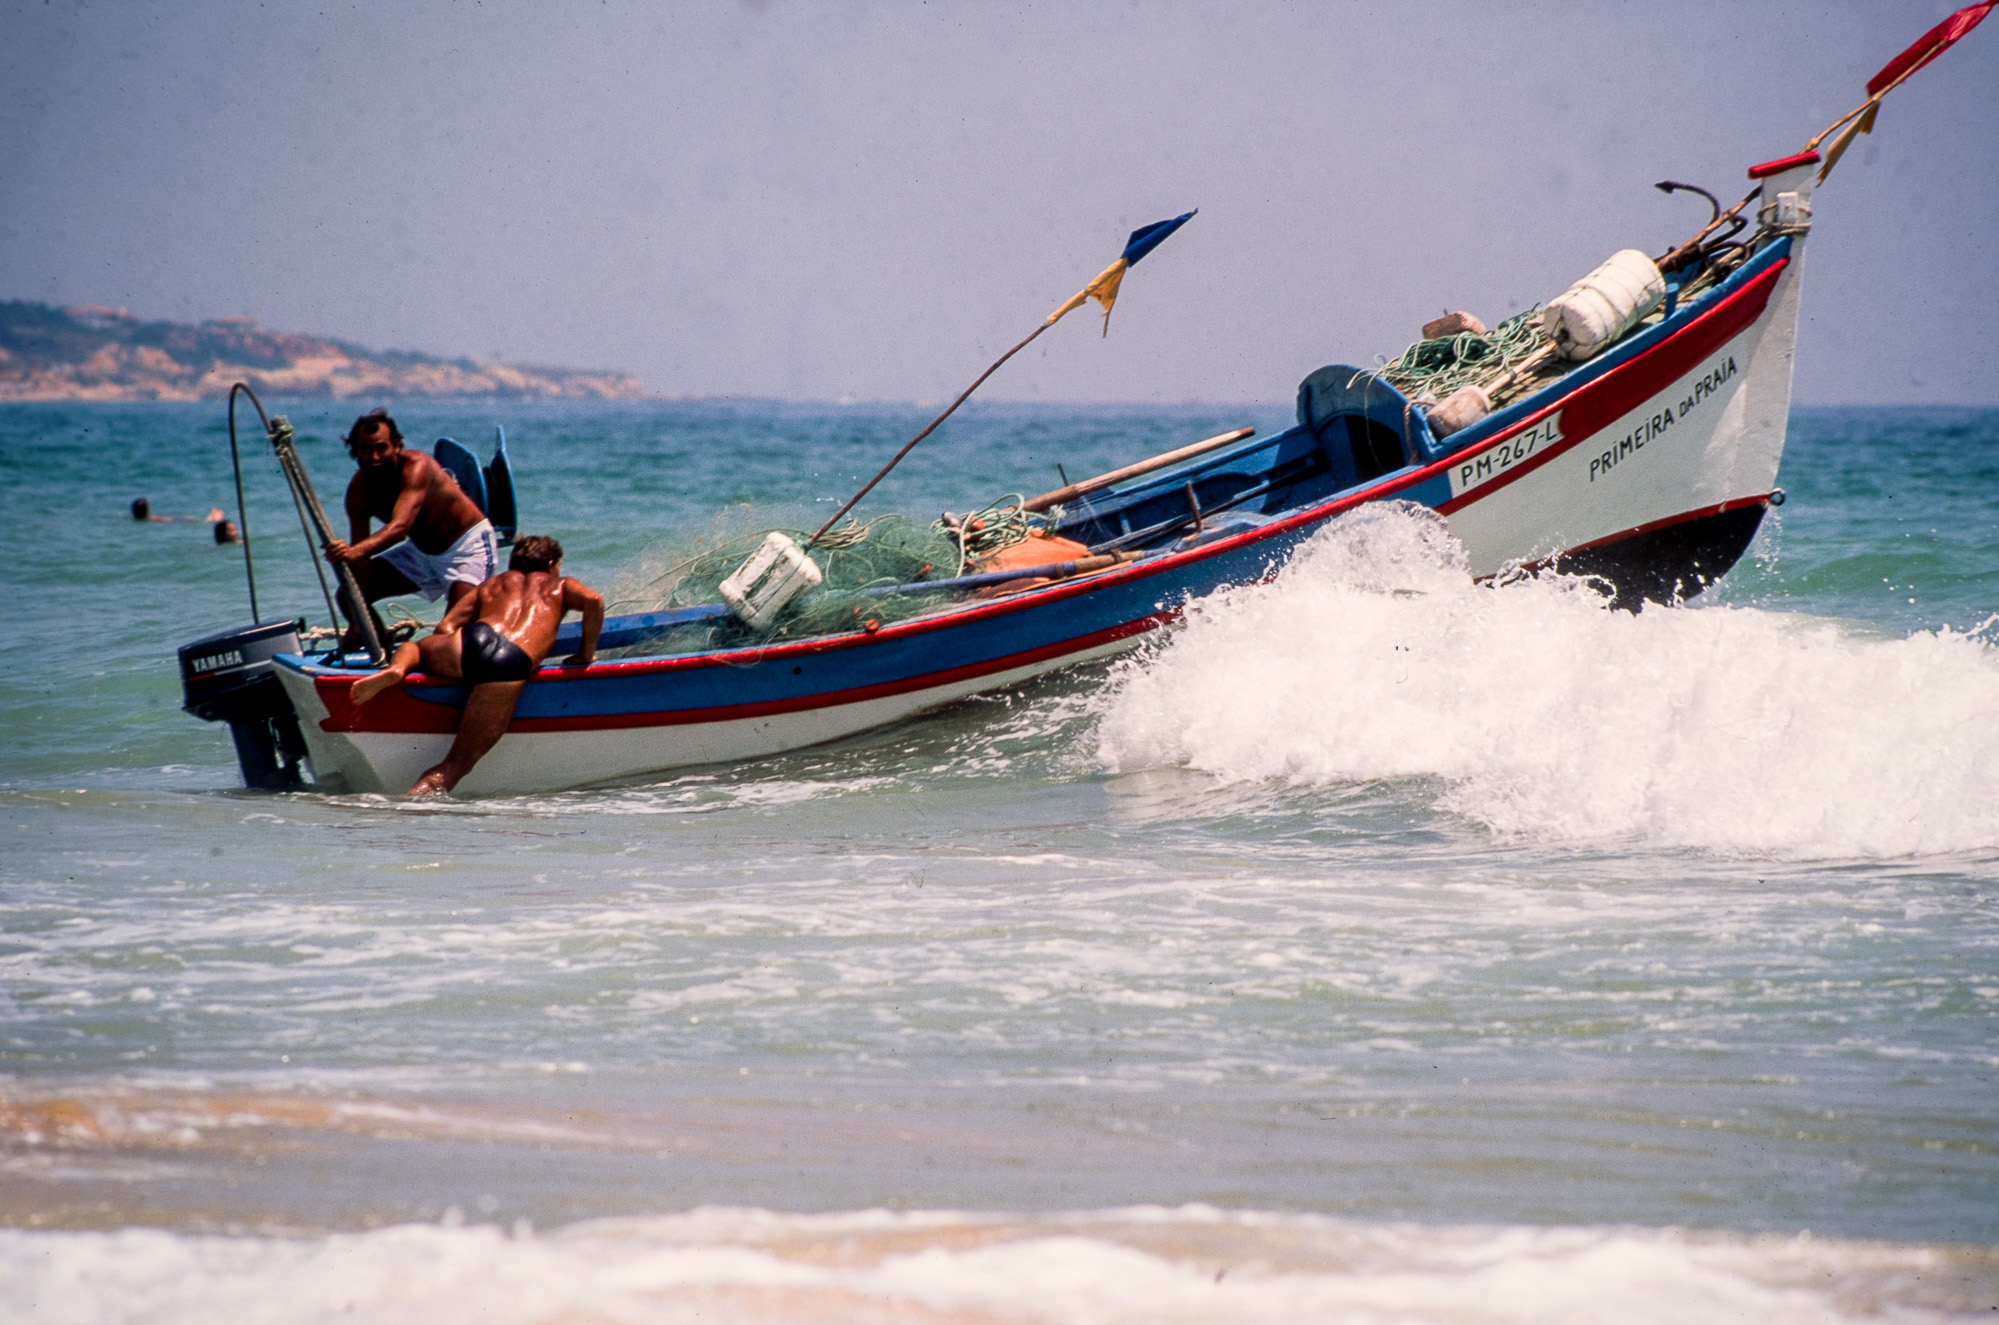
[[431, 784], [368, 687]]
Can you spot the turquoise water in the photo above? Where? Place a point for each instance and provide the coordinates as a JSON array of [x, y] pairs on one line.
[[1374, 947]]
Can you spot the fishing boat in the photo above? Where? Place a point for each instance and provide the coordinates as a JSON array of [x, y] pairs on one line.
[[1630, 432]]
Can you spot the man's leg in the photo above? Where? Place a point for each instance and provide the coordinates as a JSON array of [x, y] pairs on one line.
[[400, 662], [443, 655], [438, 655], [488, 710]]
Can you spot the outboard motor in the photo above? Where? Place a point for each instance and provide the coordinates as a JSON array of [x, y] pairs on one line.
[[227, 677]]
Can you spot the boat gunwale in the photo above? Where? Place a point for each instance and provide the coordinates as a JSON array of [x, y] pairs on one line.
[[1498, 427]]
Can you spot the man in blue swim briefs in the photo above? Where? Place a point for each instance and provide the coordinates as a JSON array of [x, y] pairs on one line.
[[434, 539], [494, 639]]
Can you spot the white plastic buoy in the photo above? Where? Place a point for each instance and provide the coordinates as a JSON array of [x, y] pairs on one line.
[[1602, 306], [778, 573]]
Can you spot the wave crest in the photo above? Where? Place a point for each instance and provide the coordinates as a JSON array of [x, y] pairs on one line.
[[1550, 716]]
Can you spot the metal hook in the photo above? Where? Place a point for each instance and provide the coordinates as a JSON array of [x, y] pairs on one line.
[[1668, 185]]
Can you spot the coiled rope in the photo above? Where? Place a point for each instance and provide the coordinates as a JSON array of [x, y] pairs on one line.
[[1436, 368], [989, 530]]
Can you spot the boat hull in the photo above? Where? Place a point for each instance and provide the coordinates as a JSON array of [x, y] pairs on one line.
[[1650, 468], [1671, 563], [1686, 432], [528, 761]]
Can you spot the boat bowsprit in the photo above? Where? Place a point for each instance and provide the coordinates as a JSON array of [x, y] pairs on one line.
[[1631, 432]]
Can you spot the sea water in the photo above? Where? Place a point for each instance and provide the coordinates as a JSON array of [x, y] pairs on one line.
[[1372, 946]]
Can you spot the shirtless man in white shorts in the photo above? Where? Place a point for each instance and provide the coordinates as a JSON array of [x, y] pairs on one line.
[[433, 540]]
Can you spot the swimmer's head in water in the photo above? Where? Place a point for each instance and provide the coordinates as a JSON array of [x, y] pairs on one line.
[[141, 509], [225, 531], [536, 552]]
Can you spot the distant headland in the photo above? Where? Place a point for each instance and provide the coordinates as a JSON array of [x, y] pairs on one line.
[[97, 353]]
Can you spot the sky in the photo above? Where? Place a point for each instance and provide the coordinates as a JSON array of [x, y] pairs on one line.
[[870, 201]]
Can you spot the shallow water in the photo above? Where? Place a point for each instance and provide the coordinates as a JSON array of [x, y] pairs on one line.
[[1373, 947]]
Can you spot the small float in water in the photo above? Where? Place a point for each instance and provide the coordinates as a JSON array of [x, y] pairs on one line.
[[1630, 431]]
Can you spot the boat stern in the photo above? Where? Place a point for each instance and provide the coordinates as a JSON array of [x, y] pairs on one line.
[[342, 759]]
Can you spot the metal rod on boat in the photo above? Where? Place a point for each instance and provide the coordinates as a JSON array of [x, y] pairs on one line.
[[1178, 521], [1673, 256], [1116, 476], [243, 511], [364, 620]]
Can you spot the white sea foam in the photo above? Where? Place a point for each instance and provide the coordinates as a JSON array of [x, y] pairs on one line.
[[1136, 1265], [1549, 716]]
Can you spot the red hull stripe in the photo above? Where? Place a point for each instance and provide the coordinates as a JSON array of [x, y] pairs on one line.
[[1715, 327], [1594, 406], [1651, 526], [415, 717], [1782, 164]]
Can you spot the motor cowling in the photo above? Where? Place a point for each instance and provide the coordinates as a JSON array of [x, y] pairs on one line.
[[228, 677]]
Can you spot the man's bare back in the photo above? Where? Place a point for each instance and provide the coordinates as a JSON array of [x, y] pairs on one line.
[[494, 638], [528, 608]]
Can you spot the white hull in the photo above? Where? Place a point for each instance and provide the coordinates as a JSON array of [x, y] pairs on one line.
[[390, 763], [1721, 449]]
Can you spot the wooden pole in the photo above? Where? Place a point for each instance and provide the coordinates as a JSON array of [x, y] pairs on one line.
[[910, 445], [1116, 476], [1104, 289]]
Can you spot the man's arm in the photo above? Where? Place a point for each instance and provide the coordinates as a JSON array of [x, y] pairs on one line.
[[402, 519], [460, 615], [580, 597], [357, 520]]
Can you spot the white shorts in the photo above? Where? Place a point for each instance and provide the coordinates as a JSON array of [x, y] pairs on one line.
[[473, 559]]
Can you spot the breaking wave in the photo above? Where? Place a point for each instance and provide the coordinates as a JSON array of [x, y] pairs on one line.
[[1550, 716], [1148, 1265]]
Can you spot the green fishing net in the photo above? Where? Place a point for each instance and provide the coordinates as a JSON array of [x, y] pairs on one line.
[[1436, 368], [860, 563], [1430, 370]]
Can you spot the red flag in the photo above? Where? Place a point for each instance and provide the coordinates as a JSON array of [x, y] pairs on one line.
[[1930, 45]]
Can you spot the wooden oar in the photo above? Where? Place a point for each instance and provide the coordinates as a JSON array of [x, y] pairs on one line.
[[622, 631], [1055, 570], [1116, 476]]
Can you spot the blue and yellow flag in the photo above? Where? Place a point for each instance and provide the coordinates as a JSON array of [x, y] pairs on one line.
[[1104, 289]]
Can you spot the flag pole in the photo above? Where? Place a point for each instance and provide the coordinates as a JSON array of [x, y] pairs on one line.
[[1860, 120], [910, 445], [1104, 289]]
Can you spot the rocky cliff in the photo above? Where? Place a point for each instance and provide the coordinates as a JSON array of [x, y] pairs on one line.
[[96, 353]]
